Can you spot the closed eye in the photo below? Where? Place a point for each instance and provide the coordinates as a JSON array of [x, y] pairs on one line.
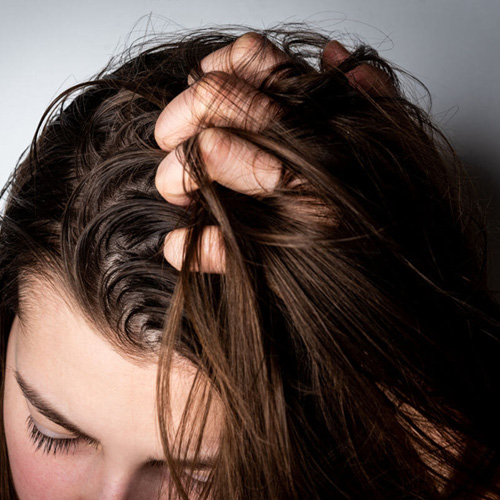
[[48, 444], [199, 475]]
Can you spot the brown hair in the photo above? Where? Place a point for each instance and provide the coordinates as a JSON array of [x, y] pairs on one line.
[[352, 341]]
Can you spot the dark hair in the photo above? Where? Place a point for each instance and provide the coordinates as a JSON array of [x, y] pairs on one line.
[[352, 340]]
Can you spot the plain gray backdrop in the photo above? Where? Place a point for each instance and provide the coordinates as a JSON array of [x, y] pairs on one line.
[[452, 46]]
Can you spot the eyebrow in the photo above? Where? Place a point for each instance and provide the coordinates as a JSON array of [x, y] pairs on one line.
[[47, 410]]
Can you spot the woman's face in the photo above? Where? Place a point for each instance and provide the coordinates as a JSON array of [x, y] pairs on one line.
[[80, 418]]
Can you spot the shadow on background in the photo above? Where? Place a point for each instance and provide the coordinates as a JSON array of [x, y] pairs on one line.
[[488, 187]]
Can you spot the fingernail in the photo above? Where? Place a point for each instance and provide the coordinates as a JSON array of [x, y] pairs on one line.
[[173, 248]]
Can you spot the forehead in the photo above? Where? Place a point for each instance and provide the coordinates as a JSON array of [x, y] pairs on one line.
[[71, 364], [50, 315]]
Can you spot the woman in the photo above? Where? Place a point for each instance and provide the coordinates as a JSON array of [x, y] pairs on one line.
[[323, 328]]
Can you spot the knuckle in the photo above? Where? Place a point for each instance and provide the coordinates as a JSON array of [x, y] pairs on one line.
[[218, 94], [207, 93], [249, 46], [249, 42], [210, 85], [214, 78], [215, 145]]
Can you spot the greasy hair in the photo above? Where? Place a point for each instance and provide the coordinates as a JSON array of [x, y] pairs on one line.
[[352, 341]]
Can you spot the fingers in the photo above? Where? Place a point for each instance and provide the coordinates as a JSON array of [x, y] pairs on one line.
[[228, 86], [212, 257], [372, 80], [334, 53], [227, 100], [226, 96], [251, 57], [235, 69], [229, 160]]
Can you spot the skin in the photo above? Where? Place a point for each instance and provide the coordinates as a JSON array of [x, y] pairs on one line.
[[258, 172], [69, 364], [108, 396]]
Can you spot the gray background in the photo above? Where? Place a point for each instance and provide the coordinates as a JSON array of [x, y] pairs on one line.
[[452, 46]]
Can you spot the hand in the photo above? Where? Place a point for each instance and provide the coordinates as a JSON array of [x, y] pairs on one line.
[[256, 172], [364, 77]]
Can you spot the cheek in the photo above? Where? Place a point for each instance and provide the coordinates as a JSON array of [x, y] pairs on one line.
[[41, 477]]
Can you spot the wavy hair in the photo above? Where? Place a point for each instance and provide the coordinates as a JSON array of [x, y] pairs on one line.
[[352, 341]]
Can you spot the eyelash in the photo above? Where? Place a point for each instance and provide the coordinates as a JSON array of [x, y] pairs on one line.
[[47, 444], [155, 464]]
